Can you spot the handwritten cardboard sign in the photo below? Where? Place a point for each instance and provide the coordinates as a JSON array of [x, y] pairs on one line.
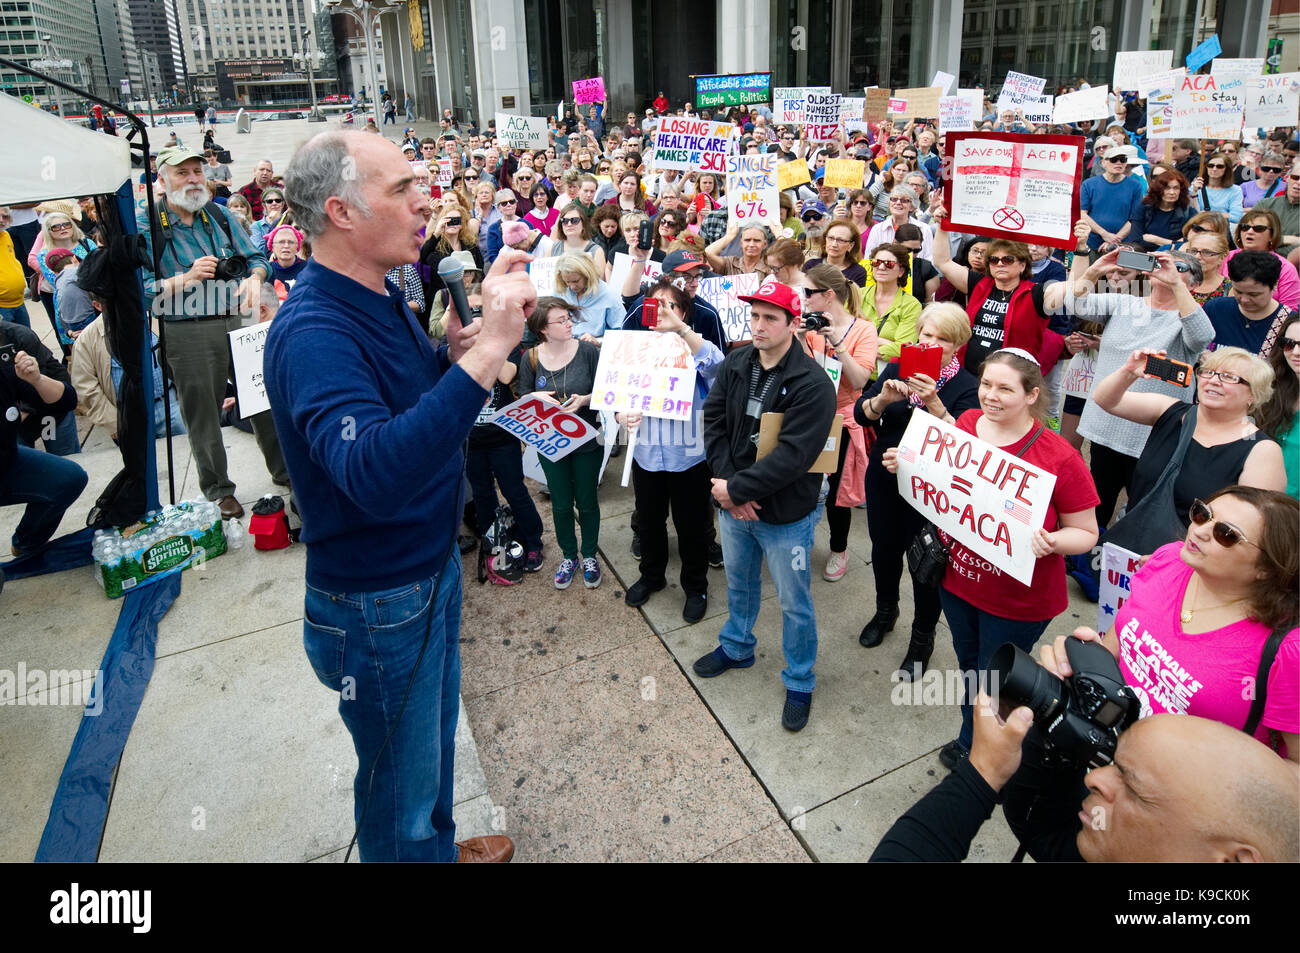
[[1019, 88], [753, 193], [724, 294], [589, 90], [1237, 68], [1206, 107], [956, 114], [845, 173], [541, 271], [682, 143], [522, 132], [988, 500], [1167, 79], [1206, 51], [1016, 186], [644, 372], [543, 426], [247, 349], [1080, 374], [944, 81], [1160, 113], [875, 105], [1132, 66], [1090, 103], [822, 123], [922, 101], [733, 89], [790, 174], [1038, 112], [1272, 100], [650, 270], [790, 103]]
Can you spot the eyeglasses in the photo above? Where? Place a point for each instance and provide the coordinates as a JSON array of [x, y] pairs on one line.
[[564, 320], [1203, 228], [860, 202], [881, 263], [570, 221], [1289, 344], [899, 201], [1256, 228], [837, 238], [1205, 374], [1270, 168], [1002, 259], [1204, 252], [60, 225], [1225, 534]]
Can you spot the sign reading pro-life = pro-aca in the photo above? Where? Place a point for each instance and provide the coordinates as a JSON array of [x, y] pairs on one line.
[[988, 500]]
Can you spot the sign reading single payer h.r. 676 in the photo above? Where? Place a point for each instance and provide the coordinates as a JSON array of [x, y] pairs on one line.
[[988, 500]]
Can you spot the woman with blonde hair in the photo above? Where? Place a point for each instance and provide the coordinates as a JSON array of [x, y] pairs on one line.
[[58, 230], [597, 306], [451, 232], [1210, 247]]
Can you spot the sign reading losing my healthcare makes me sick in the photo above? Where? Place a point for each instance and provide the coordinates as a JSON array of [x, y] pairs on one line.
[[988, 500], [589, 90], [753, 196], [1016, 186], [733, 89], [681, 143], [645, 373], [542, 425]]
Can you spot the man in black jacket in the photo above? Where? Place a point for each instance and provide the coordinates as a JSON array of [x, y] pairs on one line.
[[35, 386], [769, 505]]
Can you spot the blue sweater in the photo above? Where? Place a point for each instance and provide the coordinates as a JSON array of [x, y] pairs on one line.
[[371, 420], [1110, 204]]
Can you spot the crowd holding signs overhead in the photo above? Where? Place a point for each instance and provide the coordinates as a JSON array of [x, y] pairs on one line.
[[925, 302]]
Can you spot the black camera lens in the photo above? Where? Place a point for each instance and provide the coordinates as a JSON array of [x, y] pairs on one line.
[[229, 269], [1018, 680], [816, 321]]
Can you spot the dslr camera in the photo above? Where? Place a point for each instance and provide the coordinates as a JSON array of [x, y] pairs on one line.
[[232, 268], [816, 321], [1080, 718]]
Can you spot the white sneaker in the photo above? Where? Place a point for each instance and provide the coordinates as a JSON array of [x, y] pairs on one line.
[[836, 567]]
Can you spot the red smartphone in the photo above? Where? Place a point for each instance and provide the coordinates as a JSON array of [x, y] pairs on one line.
[[919, 359], [650, 313], [435, 191]]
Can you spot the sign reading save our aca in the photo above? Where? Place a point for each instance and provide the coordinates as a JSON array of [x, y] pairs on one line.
[[988, 500]]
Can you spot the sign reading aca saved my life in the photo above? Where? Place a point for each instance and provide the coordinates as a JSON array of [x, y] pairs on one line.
[[544, 426], [1010, 185], [645, 372], [681, 143], [988, 500], [522, 132]]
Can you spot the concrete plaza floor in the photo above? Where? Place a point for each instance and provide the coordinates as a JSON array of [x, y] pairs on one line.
[[584, 733]]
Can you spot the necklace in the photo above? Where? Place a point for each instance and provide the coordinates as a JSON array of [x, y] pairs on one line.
[[1186, 614], [557, 386]]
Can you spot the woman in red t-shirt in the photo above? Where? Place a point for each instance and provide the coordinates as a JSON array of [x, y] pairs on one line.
[[984, 606]]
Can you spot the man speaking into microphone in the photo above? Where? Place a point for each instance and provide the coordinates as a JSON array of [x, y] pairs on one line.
[[371, 419]]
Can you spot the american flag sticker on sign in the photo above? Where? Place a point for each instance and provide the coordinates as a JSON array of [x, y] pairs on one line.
[[1017, 511], [907, 453]]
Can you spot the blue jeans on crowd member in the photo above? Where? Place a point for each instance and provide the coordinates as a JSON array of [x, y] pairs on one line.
[[976, 635], [65, 442], [506, 465], [365, 646], [787, 548], [48, 484], [17, 315]]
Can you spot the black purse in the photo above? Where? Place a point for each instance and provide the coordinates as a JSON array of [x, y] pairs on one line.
[[927, 556]]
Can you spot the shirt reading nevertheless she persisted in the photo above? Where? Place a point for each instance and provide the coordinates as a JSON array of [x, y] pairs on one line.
[[989, 325]]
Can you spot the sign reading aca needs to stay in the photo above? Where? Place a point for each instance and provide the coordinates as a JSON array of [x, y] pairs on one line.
[[988, 500], [681, 143]]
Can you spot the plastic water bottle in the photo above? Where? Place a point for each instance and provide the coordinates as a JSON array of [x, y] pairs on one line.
[[235, 534]]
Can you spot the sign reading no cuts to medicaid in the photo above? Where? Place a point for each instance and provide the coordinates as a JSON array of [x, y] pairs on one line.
[[645, 372], [543, 426], [988, 500], [1010, 185]]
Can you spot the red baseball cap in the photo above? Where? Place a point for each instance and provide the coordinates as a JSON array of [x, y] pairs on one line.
[[774, 292]]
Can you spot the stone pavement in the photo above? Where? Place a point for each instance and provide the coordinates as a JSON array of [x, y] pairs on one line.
[[595, 740]]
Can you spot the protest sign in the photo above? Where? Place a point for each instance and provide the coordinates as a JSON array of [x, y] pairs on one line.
[[875, 104], [753, 197], [732, 89], [1237, 68], [540, 424], [442, 173], [1132, 66], [247, 347], [922, 101], [898, 107], [955, 114], [851, 109], [1090, 103], [790, 104], [522, 132], [1169, 79], [822, 116], [944, 81], [1080, 374], [845, 173], [589, 90], [542, 273], [724, 294], [1014, 186], [681, 143], [1160, 113], [1038, 112], [1206, 51], [1208, 108], [1272, 100], [1019, 88], [650, 270], [982, 496], [790, 174], [645, 373], [1118, 567]]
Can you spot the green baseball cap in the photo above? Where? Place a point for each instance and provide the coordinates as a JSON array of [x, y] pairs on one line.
[[175, 155]]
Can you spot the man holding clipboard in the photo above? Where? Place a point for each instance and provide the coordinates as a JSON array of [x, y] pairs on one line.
[[769, 503]]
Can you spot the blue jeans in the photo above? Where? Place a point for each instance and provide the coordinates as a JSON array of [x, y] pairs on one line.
[[976, 635], [65, 441], [787, 547], [48, 484], [17, 315], [365, 645]]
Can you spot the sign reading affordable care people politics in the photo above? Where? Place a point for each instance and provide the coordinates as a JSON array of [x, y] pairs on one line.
[[1014, 186], [522, 132], [645, 372], [542, 425], [681, 143], [988, 500], [733, 89], [753, 196]]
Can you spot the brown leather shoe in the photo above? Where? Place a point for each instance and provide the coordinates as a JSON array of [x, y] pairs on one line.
[[497, 849], [230, 508]]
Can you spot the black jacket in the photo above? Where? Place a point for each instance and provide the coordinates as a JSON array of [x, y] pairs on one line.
[[780, 483], [959, 394], [17, 396]]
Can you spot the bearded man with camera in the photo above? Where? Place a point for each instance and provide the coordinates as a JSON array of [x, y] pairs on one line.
[[210, 284]]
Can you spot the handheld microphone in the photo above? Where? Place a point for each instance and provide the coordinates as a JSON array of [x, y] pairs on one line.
[[452, 272]]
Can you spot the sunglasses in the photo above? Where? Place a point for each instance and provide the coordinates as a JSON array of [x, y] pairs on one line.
[[272, 201], [1204, 228], [861, 202], [809, 292], [1270, 168], [570, 221], [60, 225], [1214, 166], [471, 178], [880, 263], [1256, 228], [1289, 344], [1002, 259], [1225, 534], [506, 202]]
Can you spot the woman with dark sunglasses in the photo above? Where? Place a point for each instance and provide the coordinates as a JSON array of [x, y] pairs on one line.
[[1261, 230], [1218, 192], [1268, 180], [1191, 636], [1280, 415]]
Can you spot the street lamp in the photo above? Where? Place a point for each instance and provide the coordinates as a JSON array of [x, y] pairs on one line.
[[310, 58], [50, 63], [366, 14]]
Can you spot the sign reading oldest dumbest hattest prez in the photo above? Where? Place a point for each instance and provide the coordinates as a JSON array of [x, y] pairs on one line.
[[733, 89], [1008, 185]]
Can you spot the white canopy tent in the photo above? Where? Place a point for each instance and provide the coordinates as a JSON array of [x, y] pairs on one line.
[[45, 157]]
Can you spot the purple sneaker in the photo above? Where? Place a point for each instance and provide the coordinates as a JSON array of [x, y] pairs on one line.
[[590, 573], [564, 574]]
